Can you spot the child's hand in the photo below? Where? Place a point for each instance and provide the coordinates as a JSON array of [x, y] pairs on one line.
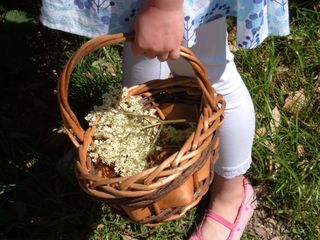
[[159, 29]]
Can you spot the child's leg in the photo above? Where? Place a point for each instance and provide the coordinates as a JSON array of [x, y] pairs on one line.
[[238, 129]]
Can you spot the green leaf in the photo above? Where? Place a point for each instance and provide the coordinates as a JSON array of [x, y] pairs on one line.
[[17, 16]]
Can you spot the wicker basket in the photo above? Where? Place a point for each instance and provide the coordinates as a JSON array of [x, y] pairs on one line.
[[166, 191]]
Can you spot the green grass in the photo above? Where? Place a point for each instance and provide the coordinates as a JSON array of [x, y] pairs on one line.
[[39, 194], [114, 228]]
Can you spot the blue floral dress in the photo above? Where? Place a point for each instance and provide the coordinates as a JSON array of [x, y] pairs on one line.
[[256, 19]]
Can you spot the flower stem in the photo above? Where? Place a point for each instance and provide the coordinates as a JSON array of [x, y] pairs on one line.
[[159, 121], [164, 122]]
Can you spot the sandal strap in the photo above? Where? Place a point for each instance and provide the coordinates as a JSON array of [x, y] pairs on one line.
[[213, 215]]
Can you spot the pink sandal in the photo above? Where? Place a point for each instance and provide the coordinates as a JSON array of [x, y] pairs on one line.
[[245, 212]]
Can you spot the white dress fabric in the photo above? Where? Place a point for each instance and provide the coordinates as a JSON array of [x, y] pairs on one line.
[[256, 19]]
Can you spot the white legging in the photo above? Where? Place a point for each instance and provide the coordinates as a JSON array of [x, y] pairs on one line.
[[212, 49]]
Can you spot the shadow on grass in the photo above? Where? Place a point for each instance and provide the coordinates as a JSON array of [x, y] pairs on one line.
[[39, 195]]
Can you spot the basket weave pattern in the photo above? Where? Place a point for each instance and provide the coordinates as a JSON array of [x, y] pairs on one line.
[[166, 191]]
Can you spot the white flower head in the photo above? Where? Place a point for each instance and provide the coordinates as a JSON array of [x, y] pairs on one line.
[[122, 138]]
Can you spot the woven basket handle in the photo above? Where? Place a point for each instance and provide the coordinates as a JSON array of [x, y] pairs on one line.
[[71, 123]]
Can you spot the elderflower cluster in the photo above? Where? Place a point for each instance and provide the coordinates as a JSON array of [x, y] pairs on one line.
[[172, 135], [122, 139]]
